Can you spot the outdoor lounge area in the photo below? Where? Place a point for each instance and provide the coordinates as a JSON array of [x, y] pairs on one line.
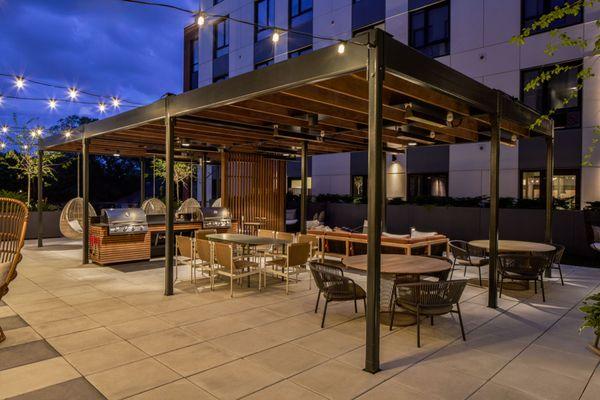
[[236, 307]]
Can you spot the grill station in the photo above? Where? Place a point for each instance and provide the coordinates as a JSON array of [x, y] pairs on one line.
[[216, 218], [124, 221]]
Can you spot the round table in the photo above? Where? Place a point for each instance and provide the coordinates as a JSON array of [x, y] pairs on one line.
[[513, 246], [399, 264]]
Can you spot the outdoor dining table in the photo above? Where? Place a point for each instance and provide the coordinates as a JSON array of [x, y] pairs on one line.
[[393, 265], [245, 240]]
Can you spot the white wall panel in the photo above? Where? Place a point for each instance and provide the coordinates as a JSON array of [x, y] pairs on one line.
[[466, 25]]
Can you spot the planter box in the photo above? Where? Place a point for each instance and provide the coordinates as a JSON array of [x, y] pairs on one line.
[[50, 225]]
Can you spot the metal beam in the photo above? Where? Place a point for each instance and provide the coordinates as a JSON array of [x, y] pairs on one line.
[[169, 220], [384, 192], [494, 200], [375, 75], [40, 186], [303, 186], [86, 200], [549, 196], [142, 180]]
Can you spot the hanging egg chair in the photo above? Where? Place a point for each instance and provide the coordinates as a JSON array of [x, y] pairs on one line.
[[71, 218]]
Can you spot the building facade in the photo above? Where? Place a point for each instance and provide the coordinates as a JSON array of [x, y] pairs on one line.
[[471, 36]]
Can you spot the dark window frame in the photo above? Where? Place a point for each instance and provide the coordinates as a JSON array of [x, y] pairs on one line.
[[426, 10], [557, 172], [299, 52], [546, 94], [216, 48], [547, 7], [264, 63], [258, 30], [300, 12], [427, 175], [194, 64]]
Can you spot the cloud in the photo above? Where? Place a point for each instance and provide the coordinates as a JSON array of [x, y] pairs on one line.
[[105, 46]]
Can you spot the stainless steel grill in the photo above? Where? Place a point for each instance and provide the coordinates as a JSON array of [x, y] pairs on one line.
[[216, 217], [125, 221]]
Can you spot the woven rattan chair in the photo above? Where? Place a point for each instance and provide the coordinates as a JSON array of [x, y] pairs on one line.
[[292, 263], [556, 263], [524, 267], [234, 268], [429, 299], [467, 256], [71, 218], [203, 251], [334, 286], [13, 223]]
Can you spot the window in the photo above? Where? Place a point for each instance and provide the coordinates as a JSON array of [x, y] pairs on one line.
[[299, 7], [221, 38], [220, 78], [564, 187], [264, 18], [263, 64], [301, 23], [194, 61], [532, 10], [429, 30], [551, 94], [435, 185], [297, 53]]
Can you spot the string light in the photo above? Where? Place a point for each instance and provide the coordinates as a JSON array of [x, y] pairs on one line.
[[4, 128], [2, 145], [73, 93], [1, 99], [275, 37], [25, 147], [102, 107], [201, 19], [68, 133], [341, 48], [19, 82], [52, 104], [116, 102]]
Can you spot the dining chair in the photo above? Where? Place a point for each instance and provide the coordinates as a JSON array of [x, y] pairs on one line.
[[184, 247], [526, 267], [334, 286], [203, 257], [265, 250], [313, 240], [467, 256], [13, 224], [293, 262], [234, 268], [430, 299], [556, 262], [203, 233]]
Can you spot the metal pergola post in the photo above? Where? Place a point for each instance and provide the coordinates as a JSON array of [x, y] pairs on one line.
[[494, 200], [303, 186], [169, 220], [40, 196], [384, 192], [85, 150], [142, 180], [375, 73], [203, 190], [549, 196]]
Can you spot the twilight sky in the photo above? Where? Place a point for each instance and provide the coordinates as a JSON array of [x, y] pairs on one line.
[[107, 47]]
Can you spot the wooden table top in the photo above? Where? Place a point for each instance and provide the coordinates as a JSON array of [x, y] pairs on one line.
[[244, 240], [399, 264], [517, 246]]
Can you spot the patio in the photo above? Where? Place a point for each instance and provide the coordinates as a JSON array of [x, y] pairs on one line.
[[90, 332]]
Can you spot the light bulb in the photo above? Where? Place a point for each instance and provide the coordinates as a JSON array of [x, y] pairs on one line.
[[39, 131], [2, 145], [68, 133], [33, 133], [25, 147], [19, 82], [275, 37], [4, 128], [73, 93], [117, 154], [201, 19], [102, 107], [412, 143], [341, 48], [52, 104], [116, 102]]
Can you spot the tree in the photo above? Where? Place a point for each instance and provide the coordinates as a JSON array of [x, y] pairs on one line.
[[181, 172], [561, 39]]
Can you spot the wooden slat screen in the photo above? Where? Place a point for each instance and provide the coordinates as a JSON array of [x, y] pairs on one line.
[[256, 188]]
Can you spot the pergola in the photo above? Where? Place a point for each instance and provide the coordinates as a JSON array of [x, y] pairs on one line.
[[378, 95]]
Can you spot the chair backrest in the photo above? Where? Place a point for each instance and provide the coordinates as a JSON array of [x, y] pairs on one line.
[[559, 253], [203, 248], [326, 275], [184, 246], [460, 250], [224, 255], [268, 233], [13, 223], [425, 293], [442, 275], [297, 254], [289, 237], [524, 263], [202, 233], [307, 238]]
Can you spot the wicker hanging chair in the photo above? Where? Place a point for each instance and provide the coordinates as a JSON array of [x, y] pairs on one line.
[[190, 206], [71, 218], [154, 206]]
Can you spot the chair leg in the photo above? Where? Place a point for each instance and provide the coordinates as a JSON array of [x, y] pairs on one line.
[[480, 281], [535, 286], [452, 268], [501, 285], [431, 319], [465, 272], [355, 307], [462, 328], [418, 327], [393, 312], [318, 298], [542, 286], [2, 335], [562, 282], [231, 286], [365, 304], [324, 313]]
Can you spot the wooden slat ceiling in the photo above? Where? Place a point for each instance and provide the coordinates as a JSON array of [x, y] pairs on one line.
[[330, 114]]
